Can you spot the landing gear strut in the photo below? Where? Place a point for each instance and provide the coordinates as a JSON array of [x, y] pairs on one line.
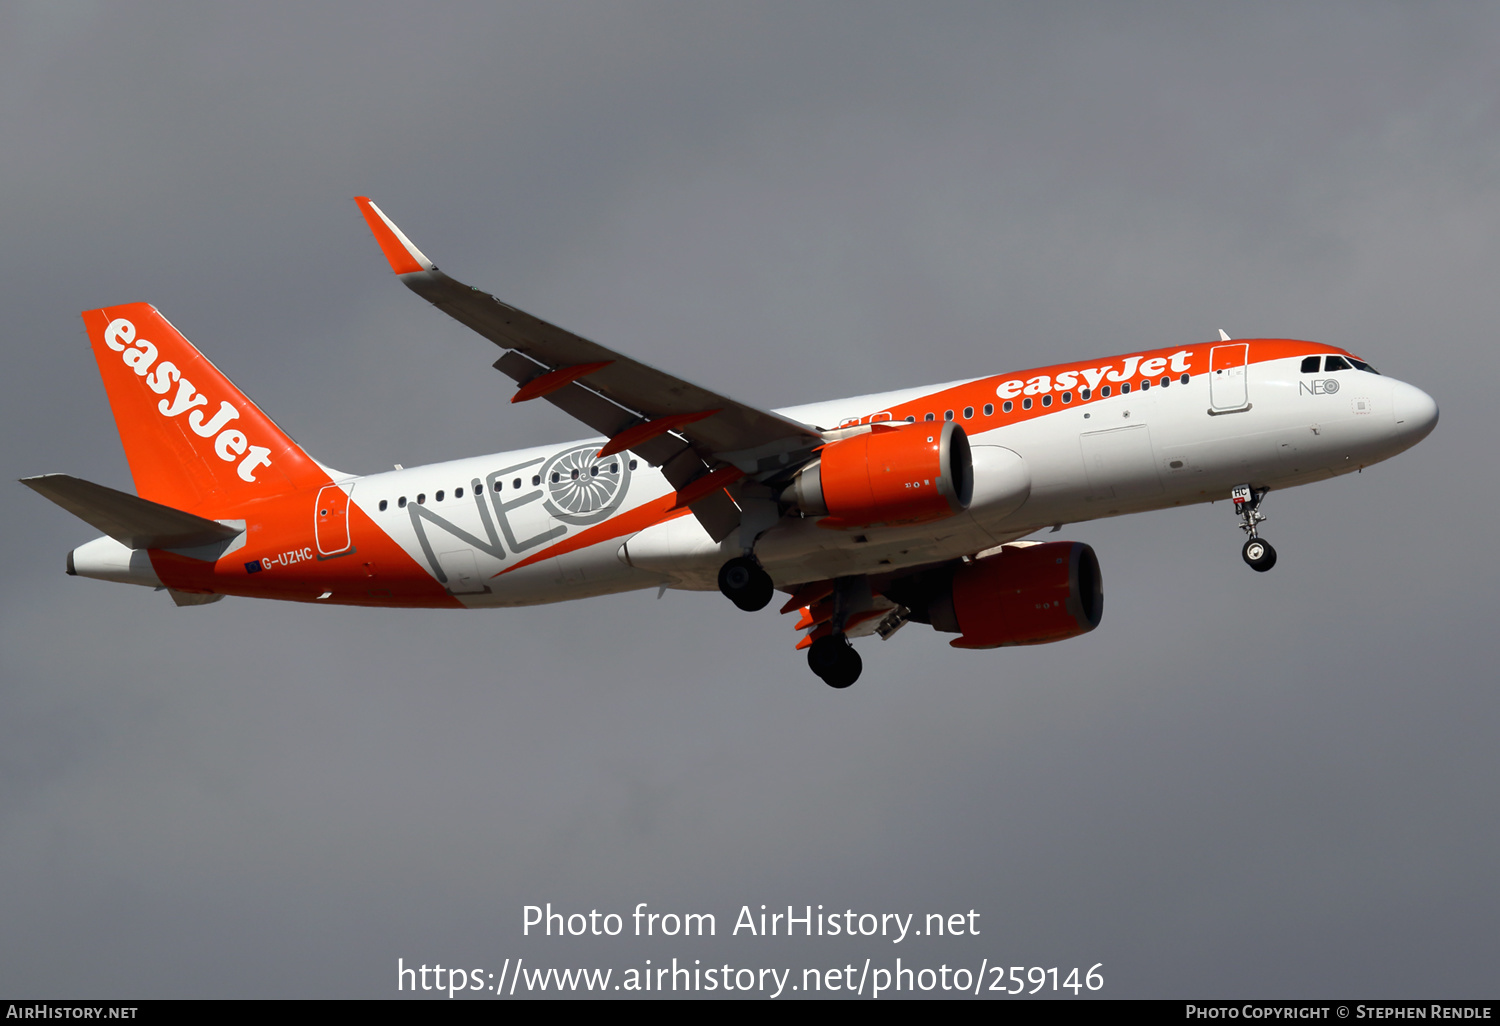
[[1257, 553], [832, 658], [745, 584]]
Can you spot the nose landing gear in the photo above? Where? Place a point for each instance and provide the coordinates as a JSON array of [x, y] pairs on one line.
[[1257, 552]]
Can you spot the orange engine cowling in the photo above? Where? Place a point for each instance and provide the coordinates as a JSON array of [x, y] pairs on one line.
[[892, 474], [1026, 594]]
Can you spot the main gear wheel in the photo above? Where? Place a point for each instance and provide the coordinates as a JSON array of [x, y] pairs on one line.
[[746, 584], [834, 660]]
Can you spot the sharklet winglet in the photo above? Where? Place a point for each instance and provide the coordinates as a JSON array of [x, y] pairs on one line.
[[402, 254]]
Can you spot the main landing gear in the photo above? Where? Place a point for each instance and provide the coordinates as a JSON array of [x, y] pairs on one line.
[[832, 658], [1257, 553], [746, 584]]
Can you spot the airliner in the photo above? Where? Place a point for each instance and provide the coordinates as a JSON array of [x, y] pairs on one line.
[[868, 513]]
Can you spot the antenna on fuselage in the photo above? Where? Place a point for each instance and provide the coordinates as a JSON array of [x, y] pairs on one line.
[[1223, 336]]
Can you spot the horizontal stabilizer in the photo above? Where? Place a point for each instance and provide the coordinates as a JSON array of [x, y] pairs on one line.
[[132, 521]]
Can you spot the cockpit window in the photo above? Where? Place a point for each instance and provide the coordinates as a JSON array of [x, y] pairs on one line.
[[1334, 363], [1361, 365], [1310, 364]]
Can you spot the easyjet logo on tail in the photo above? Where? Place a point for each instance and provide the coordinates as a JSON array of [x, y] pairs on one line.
[[165, 378]]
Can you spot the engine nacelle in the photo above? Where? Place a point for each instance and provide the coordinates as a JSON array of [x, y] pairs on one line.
[[893, 474], [1029, 593]]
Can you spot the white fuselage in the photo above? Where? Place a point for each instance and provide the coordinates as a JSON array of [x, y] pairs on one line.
[[480, 519]]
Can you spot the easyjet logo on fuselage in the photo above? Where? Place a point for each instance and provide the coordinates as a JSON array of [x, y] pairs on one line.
[[230, 444], [1090, 377]]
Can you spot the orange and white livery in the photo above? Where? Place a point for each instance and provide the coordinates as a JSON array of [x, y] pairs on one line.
[[869, 513]]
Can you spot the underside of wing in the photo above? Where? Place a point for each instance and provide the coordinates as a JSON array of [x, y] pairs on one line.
[[688, 431]]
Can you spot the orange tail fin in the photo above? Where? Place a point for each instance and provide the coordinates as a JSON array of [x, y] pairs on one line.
[[194, 441]]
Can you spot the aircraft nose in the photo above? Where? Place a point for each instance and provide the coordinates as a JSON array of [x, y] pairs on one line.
[[1415, 411]]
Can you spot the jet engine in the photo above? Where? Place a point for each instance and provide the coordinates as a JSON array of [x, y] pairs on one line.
[[892, 474], [1029, 593]]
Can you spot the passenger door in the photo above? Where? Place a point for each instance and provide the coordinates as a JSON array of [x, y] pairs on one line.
[[331, 521], [1227, 389]]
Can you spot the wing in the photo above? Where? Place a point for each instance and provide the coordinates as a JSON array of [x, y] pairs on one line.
[[690, 432]]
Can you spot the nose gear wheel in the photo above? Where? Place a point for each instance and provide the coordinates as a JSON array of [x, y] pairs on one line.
[[1258, 554]]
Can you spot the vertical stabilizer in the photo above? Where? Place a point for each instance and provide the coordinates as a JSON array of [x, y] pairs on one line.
[[194, 441]]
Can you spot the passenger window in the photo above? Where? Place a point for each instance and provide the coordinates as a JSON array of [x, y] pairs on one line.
[[1184, 379], [1165, 382], [440, 495], [632, 464], [1084, 394], [421, 498], [1125, 388], [614, 468], [556, 477], [516, 483], [574, 475], [1046, 400], [1310, 364], [1104, 392], [497, 484], [382, 505], [1026, 403], [929, 417], [1336, 363], [536, 479], [989, 409], [1008, 406], [1067, 398], [401, 502], [1145, 384], [948, 415], [911, 420], [968, 413], [458, 493]]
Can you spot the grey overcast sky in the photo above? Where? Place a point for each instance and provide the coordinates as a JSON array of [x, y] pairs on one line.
[[1279, 785]]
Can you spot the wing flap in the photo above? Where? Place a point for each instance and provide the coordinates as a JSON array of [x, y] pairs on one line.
[[718, 514]]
